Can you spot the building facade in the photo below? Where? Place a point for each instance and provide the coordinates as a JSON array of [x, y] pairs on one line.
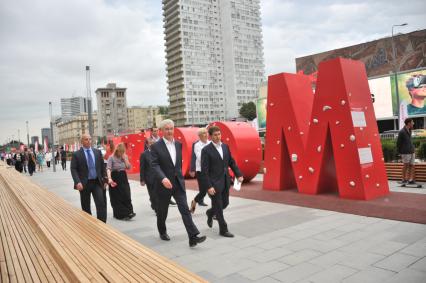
[[112, 110], [73, 106], [46, 133], [214, 57], [71, 130], [34, 139], [139, 117]]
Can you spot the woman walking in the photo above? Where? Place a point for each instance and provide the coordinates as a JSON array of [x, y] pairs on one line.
[[119, 189], [40, 161], [31, 162]]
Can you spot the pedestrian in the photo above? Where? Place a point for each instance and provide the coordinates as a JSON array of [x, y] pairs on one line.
[[195, 170], [9, 159], [89, 176], [167, 165], [119, 188], [57, 157], [3, 156], [31, 162], [48, 158], [147, 174], [216, 158], [405, 148], [25, 162], [40, 161], [63, 155], [18, 159]]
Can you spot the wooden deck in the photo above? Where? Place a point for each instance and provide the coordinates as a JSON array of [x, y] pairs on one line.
[[44, 239]]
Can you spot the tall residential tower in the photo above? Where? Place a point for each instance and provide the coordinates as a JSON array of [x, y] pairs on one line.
[[214, 57]]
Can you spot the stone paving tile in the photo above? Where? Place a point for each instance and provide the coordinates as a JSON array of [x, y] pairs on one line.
[[334, 274], [361, 260], [396, 262], [313, 244], [270, 255], [417, 249], [387, 248], [299, 257], [329, 235], [329, 259], [296, 273], [233, 278], [226, 267], [419, 265], [263, 270], [277, 242], [370, 275], [408, 276]]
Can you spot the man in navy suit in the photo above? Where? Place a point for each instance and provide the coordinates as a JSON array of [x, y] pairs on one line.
[[216, 158], [146, 174], [167, 165], [89, 175]]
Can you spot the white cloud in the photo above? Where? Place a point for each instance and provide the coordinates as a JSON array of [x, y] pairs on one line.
[[46, 44]]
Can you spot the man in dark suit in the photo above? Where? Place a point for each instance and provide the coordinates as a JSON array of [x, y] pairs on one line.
[[88, 173], [167, 165], [215, 160], [147, 174]]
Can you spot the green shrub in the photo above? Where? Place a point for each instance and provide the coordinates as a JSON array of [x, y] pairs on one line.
[[421, 150], [389, 150]]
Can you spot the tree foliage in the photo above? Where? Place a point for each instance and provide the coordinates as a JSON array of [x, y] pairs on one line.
[[248, 110]]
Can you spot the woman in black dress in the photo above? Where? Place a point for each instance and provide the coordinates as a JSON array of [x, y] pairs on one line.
[[119, 189]]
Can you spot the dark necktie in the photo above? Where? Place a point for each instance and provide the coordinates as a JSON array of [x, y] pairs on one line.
[[92, 168]]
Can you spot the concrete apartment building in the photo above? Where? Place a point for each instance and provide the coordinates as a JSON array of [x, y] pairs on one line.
[[214, 57], [112, 110], [73, 106], [139, 117], [71, 130]]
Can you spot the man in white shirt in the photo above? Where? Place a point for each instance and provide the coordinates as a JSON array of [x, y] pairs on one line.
[[167, 166], [195, 170]]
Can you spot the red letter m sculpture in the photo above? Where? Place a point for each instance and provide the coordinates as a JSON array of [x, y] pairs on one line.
[[327, 141]]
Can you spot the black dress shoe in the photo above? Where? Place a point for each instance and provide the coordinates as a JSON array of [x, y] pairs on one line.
[[196, 240], [227, 234], [131, 215], [209, 220], [165, 237], [202, 203]]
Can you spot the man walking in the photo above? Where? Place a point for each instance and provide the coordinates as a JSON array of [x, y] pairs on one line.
[[146, 174], [169, 181], [195, 170], [405, 148], [215, 160], [88, 173]]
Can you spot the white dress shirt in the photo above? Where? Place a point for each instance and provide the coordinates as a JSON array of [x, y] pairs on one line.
[[218, 147], [171, 148], [198, 147]]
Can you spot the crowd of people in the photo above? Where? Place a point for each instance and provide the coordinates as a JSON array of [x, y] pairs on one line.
[[161, 173], [27, 160]]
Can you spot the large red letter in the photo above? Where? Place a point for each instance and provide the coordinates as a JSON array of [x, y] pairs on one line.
[[325, 141]]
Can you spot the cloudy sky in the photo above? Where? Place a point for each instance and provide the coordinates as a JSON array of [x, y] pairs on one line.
[[46, 44]]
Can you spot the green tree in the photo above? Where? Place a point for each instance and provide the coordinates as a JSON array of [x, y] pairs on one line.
[[248, 110]]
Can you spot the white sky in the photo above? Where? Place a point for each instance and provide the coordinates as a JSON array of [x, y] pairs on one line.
[[46, 44]]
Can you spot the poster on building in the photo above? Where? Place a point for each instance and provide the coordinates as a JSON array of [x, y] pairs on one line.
[[380, 89], [261, 113], [411, 92]]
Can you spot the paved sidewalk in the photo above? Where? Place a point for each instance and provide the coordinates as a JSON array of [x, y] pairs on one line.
[[275, 242]]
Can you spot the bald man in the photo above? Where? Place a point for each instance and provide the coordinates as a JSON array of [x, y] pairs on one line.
[[89, 175]]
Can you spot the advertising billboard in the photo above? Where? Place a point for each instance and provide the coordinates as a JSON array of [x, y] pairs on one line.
[[380, 89], [411, 92]]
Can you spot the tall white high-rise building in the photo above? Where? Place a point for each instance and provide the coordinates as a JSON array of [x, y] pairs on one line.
[[214, 57], [73, 106]]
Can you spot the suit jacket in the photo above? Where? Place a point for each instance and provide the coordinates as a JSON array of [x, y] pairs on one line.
[[80, 171], [193, 158], [146, 171], [214, 169], [163, 167]]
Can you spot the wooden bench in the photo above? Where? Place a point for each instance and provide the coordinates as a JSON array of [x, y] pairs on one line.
[[44, 239], [394, 171]]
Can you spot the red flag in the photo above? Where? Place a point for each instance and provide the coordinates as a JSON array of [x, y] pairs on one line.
[[36, 146], [45, 145]]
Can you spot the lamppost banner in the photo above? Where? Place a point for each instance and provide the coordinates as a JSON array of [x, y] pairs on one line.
[[411, 91]]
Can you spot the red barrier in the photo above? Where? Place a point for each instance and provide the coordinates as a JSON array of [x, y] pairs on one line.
[[324, 142], [187, 136], [244, 143]]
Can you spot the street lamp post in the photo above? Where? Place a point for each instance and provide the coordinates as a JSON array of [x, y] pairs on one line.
[[28, 135], [395, 73], [51, 134]]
